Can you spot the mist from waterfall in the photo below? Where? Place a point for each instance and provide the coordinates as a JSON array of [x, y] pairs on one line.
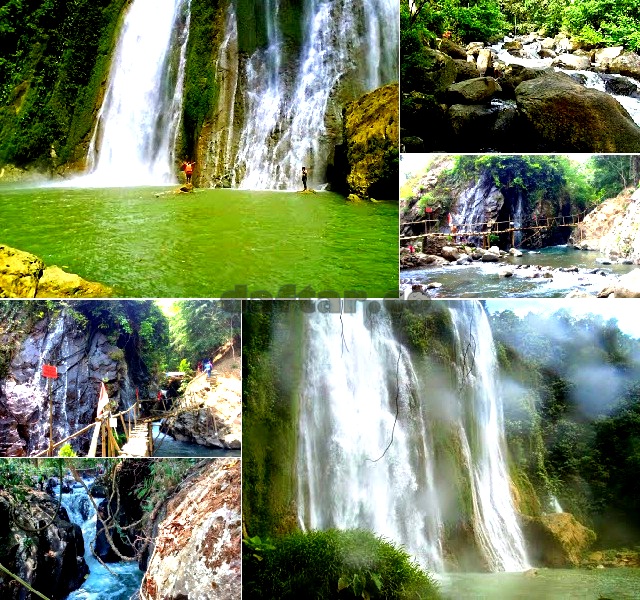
[[348, 48], [356, 376], [134, 139]]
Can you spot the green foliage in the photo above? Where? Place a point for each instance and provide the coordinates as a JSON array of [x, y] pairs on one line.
[[566, 439], [67, 451], [200, 327], [165, 475], [53, 59], [610, 174], [333, 564]]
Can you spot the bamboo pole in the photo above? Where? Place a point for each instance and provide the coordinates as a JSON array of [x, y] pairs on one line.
[[103, 436], [23, 582], [69, 437], [113, 443]]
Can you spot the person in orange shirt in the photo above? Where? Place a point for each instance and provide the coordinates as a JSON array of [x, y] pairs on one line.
[[188, 169]]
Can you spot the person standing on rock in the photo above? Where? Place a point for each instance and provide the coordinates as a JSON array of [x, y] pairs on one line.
[[304, 178], [207, 367], [188, 169]]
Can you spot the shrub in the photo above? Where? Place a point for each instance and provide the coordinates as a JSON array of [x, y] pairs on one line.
[[333, 564]]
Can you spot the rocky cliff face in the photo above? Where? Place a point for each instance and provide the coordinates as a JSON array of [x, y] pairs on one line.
[[52, 560], [612, 228], [371, 139], [213, 409], [197, 548], [84, 360]]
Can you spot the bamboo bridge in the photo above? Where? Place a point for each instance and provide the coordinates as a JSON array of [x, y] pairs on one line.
[[489, 228], [137, 429]]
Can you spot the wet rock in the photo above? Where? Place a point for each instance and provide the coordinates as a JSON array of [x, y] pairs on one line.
[[515, 252], [514, 75], [626, 64], [412, 143], [371, 134], [506, 272], [604, 56], [627, 286], [473, 48], [51, 561], [437, 75], [564, 116], [472, 124], [556, 540], [620, 86], [547, 43], [473, 91], [572, 61], [450, 253], [490, 257]]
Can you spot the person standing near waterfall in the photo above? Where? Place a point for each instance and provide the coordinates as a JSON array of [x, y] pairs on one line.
[[188, 169], [304, 178]]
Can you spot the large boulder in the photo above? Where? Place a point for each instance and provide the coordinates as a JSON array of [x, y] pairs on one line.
[[434, 72], [473, 91], [620, 86], [56, 283], [484, 61], [604, 56], [371, 133], [572, 61], [19, 273], [556, 540], [197, 551], [514, 75], [472, 125], [627, 286], [562, 115], [452, 49], [626, 64], [465, 70]]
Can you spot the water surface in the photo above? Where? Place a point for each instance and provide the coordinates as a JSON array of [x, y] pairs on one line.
[[481, 280], [150, 242], [165, 445], [548, 584]]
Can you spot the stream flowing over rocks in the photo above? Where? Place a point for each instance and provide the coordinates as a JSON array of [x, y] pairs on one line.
[[525, 94], [197, 533], [84, 359]]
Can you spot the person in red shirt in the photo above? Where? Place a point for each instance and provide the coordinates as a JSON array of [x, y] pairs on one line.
[[188, 169]]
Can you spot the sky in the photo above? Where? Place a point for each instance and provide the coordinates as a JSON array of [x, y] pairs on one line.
[[623, 310]]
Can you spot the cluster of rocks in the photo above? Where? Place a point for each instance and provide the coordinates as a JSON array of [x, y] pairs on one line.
[[466, 99], [52, 560], [24, 275], [459, 255], [212, 412]]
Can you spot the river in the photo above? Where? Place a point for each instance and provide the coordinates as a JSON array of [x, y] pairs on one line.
[[204, 244], [556, 584], [165, 445], [481, 280]]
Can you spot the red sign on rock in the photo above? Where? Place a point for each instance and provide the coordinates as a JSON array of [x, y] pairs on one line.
[[50, 371]]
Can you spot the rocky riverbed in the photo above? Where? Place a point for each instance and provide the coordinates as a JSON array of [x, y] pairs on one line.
[[528, 93]]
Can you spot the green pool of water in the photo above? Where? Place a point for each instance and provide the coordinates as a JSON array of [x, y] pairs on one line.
[[211, 243], [548, 584]]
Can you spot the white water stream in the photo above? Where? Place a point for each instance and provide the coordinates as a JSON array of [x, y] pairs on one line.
[[125, 578], [134, 139], [347, 44], [593, 80], [356, 375]]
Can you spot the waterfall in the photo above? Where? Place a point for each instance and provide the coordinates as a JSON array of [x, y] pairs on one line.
[[356, 375], [291, 119], [555, 505], [518, 220], [476, 206], [134, 139], [126, 576], [483, 441]]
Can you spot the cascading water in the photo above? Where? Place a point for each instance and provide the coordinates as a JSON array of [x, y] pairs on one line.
[[134, 139], [518, 220], [555, 505], [355, 375], [288, 127], [125, 578], [591, 79]]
